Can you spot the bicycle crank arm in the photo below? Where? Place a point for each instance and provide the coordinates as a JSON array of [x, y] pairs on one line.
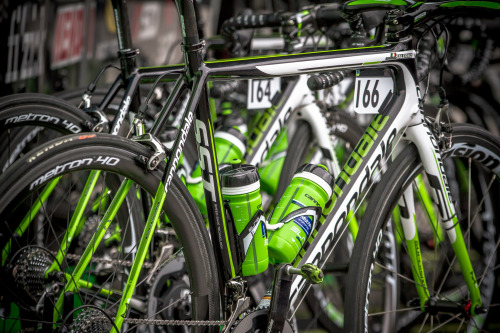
[[280, 298]]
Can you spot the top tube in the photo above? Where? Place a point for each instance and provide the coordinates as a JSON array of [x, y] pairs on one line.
[[276, 64]]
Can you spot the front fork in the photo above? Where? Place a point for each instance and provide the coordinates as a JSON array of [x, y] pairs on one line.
[[429, 152]]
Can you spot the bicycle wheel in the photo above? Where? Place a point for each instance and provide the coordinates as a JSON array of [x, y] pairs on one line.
[[324, 301], [381, 294], [183, 286], [28, 120]]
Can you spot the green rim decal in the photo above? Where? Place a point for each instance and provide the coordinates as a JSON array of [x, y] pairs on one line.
[[353, 225], [335, 315]]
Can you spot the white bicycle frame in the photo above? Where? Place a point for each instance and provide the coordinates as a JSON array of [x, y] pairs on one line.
[[407, 119]]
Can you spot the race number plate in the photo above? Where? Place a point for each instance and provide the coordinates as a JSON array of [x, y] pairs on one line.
[[261, 92], [371, 91]]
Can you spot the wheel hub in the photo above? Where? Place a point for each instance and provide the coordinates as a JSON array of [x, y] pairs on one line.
[[28, 271]]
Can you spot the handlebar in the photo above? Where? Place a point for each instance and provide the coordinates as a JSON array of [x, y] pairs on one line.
[[252, 21], [291, 24], [326, 80], [322, 15], [223, 88]]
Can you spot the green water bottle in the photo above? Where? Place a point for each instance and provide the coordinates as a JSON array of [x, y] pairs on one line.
[[298, 211], [270, 168], [241, 190], [230, 144]]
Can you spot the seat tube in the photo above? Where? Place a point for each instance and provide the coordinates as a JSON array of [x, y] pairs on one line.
[[126, 53], [221, 233]]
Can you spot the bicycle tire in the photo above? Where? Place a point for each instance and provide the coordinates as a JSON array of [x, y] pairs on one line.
[[188, 225], [15, 110], [368, 276], [22, 114]]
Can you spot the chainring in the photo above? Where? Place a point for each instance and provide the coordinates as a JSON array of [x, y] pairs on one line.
[[168, 296], [255, 321]]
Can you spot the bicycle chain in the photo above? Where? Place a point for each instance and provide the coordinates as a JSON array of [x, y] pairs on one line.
[[155, 322], [166, 322]]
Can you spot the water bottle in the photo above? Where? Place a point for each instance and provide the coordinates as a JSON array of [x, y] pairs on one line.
[[270, 169], [298, 210], [241, 190], [230, 144]]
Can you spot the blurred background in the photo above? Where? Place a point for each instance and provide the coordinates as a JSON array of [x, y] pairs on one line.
[[50, 46]]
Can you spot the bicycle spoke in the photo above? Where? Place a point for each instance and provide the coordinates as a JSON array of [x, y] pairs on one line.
[[461, 324], [423, 322], [445, 322], [415, 308]]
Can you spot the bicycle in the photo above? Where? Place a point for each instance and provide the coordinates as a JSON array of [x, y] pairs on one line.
[[114, 90], [374, 145]]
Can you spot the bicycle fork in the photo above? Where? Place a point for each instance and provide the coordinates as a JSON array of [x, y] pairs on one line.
[[430, 155]]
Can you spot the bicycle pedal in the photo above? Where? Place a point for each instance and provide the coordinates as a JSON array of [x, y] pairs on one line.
[[310, 272]]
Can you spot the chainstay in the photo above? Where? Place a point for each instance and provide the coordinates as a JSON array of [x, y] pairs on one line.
[[125, 263]]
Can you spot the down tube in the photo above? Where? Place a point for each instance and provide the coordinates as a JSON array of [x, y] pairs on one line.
[[370, 152]]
